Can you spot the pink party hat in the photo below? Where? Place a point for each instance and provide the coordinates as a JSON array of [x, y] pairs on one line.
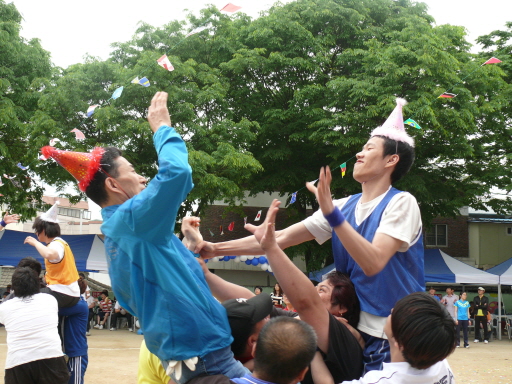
[[393, 127]]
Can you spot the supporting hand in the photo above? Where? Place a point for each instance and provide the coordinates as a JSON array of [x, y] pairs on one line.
[[323, 191], [158, 114]]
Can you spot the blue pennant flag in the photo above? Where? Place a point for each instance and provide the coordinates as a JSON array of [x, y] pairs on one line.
[[294, 198], [117, 93]]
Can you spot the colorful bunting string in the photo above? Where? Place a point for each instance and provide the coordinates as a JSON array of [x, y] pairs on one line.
[[258, 216]]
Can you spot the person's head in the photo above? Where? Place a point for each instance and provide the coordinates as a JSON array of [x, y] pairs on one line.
[[284, 350], [31, 263], [25, 283], [104, 294], [449, 291], [81, 275], [481, 291], [421, 329], [258, 290], [286, 301], [246, 318], [339, 296], [432, 291], [45, 230], [277, 290], [116, 180], [463, 296]]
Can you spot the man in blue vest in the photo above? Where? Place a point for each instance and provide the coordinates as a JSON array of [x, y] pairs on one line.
[[377, 235]]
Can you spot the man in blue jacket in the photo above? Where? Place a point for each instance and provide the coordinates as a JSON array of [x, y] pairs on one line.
[[153, 275]]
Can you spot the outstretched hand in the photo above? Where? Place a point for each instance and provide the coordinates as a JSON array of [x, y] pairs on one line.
[[190, 229], [158, 114], [11, 218], [323, 191], [266, 232]]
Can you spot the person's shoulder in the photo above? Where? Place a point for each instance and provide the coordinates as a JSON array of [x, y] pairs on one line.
[[212, 379]]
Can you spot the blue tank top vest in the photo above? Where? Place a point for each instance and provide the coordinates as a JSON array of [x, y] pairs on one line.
[[404, 273]]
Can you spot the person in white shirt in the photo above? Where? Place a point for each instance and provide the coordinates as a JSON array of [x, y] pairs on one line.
[[449, 300], [421, 336], [34, 352]]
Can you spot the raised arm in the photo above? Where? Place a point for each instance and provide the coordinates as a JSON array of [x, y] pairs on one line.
[[293, 235], [45, 252], [299, 289], [8, 219], [371, 257], [221, 289]]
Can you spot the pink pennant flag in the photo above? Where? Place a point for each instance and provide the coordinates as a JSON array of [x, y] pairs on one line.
[[78, 134], [165, 63], [258, 216], [231, 226], [230, 8], [492, 60], [53, 142]]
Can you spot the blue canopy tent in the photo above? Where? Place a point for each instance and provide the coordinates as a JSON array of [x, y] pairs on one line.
[[504, 271], [439, 268], [88, 250]]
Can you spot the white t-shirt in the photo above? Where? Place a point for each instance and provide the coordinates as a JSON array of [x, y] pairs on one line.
[[32, 329], [401, 220], [403, 373], [450, 300], [118, 306], [72, 289]]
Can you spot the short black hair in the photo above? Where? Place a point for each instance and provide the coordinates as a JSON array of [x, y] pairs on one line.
[[284, 348], [81, 274], [405, 153], [105, 292], [31, 263], [424, 329], [51, 230], [96, 189], [25, 283]]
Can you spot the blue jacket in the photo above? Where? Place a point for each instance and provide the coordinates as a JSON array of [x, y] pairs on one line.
[[153, 275]]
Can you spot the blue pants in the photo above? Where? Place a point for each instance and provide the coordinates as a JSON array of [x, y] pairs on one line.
[[220, 362], [376, 351], [77, 367]]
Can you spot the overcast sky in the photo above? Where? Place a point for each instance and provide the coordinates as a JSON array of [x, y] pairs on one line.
[[69, 30]]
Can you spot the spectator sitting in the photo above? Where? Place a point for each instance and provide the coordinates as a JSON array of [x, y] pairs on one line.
[[258, 290], [105, 309], [121, 312], [33, 343], [91, 304], [287, 304], [277, 296], [497, 310]]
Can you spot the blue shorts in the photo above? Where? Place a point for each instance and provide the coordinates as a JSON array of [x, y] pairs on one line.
[[376, 351]]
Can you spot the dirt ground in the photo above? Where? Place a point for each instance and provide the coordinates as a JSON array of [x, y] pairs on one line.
[[113, 359]]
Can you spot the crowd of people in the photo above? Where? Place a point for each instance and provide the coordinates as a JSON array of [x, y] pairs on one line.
[[351, 327]]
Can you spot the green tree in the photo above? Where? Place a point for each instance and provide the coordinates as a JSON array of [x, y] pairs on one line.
[[25, 70]]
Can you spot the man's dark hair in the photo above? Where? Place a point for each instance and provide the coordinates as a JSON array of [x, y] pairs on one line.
[[105, 292], [51, 230], [96, 189], [404, 151], [81, 274], [25, 283], [284, 348], [344, 295], [424, 330], [31, 263]]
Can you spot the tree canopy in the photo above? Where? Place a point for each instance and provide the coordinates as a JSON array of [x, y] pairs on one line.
[[264, 103]]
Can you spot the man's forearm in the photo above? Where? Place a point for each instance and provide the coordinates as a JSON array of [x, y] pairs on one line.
[[244, 246], [223, 290]]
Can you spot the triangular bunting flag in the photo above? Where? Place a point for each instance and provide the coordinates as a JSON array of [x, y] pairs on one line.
[[91, 109], [412, 123], [294, 198], [21, 167], [343, 169], [196, 30], [245, 221], [492, 60], [53, 142], [165, 63], [230, 8], [211, 233], [221, 231], [78, 134], [447, 95], [117, 93], [258, 216], [231, 226]]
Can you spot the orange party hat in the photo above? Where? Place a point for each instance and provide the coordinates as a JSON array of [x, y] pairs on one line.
[[82, 165]]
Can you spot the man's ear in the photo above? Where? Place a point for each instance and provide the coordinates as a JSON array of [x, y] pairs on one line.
[[393, 160], [111, 185], [253, 350], [302, 374]]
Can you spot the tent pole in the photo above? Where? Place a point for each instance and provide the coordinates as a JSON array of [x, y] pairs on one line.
[[499, 310]]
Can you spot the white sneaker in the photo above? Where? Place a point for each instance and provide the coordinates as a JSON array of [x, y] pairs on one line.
[[458, 346], [112, 329], [101, 327], [477, 341], [97, 326], [486, 342], [87, 333], [467, 346], [130, 329]]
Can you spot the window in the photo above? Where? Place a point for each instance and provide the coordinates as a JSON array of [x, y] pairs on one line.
[[509, 231], [437, 236]]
